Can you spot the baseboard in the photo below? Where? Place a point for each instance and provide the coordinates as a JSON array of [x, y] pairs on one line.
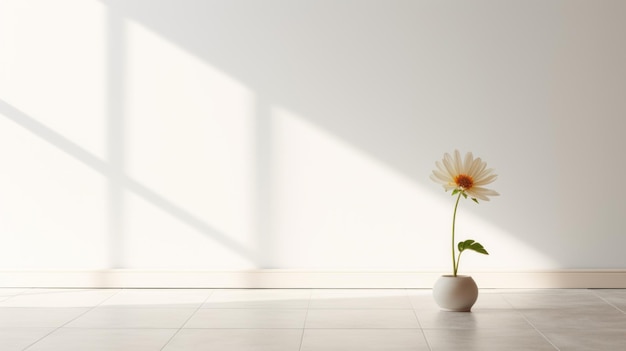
[[305, 279]]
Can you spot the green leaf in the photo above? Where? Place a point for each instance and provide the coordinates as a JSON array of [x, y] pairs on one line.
[[464, 244], [464, 195], [455, 191], [472, 245], [474, 199]]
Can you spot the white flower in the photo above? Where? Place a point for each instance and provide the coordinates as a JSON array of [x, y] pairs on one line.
[[468, 176]]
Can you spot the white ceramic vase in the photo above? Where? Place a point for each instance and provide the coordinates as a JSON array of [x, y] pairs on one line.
[[455, 293]]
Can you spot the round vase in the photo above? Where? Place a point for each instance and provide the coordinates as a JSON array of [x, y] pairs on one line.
[[455, 293]]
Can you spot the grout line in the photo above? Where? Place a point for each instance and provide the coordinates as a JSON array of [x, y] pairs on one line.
[[539, 331], [413, 303], [607, 301], [187, 321], [73, 319], [306, 315], [529, 322], [418, 321]]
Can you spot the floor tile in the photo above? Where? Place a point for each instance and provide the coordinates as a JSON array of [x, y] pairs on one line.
[[553, 300], [236, 340], [354, 318], [363, 340], [482, 319], [65, 339], [30, 317], [17, 339], [574, 340], [129, 318], [158, 298], [486, 340], [606, 292], [360, 299], [491, 301], [259, 298], [422, 299], [542, 291], [576, 318], [59, 298], [305, 319], [615, 297], [247, 318]]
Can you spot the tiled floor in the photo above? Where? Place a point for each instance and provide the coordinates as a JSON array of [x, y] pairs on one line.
[[307, 320]]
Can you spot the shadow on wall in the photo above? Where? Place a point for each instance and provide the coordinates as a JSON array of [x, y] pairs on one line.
[[126, 184], [393, 81], [400, 83]]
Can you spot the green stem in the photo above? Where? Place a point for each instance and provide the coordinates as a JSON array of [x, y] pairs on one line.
[[454, 264], [458, 261]]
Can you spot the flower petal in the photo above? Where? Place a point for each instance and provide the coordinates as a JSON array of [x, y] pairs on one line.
[[477, 195], [443, 169], [479, 169], [467, 164], [481, 193], [485, 180], [488, 192], [473, 170], [437, 180], [453, 164], [458, 163], [484, 173], [449, 164], [441, 176]]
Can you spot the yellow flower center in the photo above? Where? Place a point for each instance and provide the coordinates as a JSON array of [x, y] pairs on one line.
[[464, 181]]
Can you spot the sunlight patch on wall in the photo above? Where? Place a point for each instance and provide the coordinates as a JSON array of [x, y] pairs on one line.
[[52, 66], [189, 139], [198, 170], [52, 89], [337, 207], [50, 205], [340, 208], [506, 250]]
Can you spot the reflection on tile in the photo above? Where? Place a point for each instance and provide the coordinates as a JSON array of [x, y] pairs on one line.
[[59, 298], [482, 319], [553, 301], [259, 298], [236, 340], [606, 339], [130, 318], [542, 291], [363, 340], [374, 318], [577, 318], [17, 339], [247, 318], [422, 299], [491, 301], [30, 317], [104, 340], [158, 298], [360, 298], [486, 340], [609, 292], [308, 319]]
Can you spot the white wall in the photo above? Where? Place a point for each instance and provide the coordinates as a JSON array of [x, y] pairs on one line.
[[246, 134]]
